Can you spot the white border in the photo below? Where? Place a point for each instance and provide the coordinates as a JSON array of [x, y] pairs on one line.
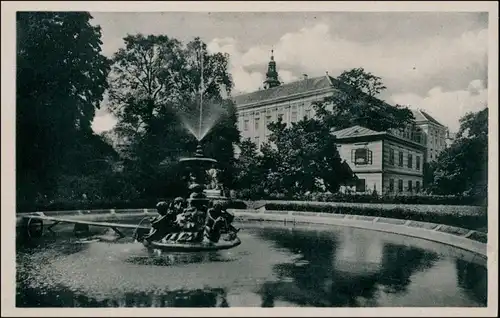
[[8, 150]]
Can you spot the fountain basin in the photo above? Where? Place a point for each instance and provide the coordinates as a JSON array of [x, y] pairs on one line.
[[276, 265]]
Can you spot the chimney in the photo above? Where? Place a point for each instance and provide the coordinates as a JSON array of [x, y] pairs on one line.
[[304, 76]]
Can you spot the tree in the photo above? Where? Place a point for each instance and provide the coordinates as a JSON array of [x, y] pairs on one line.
[[302, 158], [463, 168], [155, 87], [356, 103], [61, 78], [250, 172]]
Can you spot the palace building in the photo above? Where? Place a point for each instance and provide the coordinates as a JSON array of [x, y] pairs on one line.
[[383, 161], [435, 134], [292, 102]]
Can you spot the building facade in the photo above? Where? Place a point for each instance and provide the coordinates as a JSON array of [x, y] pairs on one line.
[[450, 138], [434, 134], [292, 102], [397, 156], [382, 161]]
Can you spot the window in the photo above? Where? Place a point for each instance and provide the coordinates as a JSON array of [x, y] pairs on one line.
[[410, 161], [400, 185], [280, 116], [245, 125], [391, 185], [257, 123], [391, 157], [400, 158], [307, 114], [293, 117], [417, 163], [410, 186], [417, 186], [257, 141], [361, 185], [361, 156], [418, 136]]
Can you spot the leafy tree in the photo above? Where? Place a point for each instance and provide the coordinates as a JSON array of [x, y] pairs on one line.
[[356, 103], [303, 157], [60, 80], [474, 125], [250, 170], [463, 168], [429, 169], [154, 92]]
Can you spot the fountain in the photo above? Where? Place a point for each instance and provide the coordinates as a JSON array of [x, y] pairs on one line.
[[199, 166], [201, 224]]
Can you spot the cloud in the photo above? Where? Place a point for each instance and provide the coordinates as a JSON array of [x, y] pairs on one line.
[[421, 57], [405, 62], [244, 81], [447, 106], [434, 73], [103, 121]]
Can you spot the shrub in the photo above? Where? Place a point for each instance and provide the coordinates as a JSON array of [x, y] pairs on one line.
[[469, 219], [373, 198]]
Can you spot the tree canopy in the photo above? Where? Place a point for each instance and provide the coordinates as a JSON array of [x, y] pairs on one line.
[[60, 80], [155, 92], [299, 158], [356, 103], [463, 168]]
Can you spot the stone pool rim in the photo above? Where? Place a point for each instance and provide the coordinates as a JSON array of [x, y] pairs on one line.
[[439, 233]]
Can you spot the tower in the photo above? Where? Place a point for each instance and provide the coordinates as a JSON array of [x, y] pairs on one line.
[[271, 74]]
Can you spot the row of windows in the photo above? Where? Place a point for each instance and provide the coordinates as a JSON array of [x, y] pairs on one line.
[[361, 185], [293, 119], [412, 133], [400, 186], [401, 157]]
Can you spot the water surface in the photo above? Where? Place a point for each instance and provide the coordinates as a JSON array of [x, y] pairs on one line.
[[275, 266]]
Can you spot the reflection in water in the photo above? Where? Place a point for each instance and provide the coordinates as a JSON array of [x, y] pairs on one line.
[[473, 279], [274, 266], [400, 263], [170, 259], [62, 297], [320, 278]]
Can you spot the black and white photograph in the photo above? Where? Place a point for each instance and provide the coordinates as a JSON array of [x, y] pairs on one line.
[[278, 156]]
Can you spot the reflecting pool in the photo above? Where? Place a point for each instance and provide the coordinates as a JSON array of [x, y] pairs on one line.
[[275, 266]]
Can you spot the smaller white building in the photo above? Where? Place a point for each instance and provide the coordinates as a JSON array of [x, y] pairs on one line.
[[382, 161]]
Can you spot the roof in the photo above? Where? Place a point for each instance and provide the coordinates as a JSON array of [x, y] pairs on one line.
[[285, 90], [356, 131], [422, 116], [360, 131]]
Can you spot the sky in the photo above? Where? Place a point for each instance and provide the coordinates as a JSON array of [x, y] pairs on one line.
[[435, 61]]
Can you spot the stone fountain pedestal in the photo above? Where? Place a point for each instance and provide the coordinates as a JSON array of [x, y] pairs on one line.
[[198, 167]]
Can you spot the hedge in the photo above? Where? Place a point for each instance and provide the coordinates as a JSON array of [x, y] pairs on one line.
[[371, 198], [477, 220]]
